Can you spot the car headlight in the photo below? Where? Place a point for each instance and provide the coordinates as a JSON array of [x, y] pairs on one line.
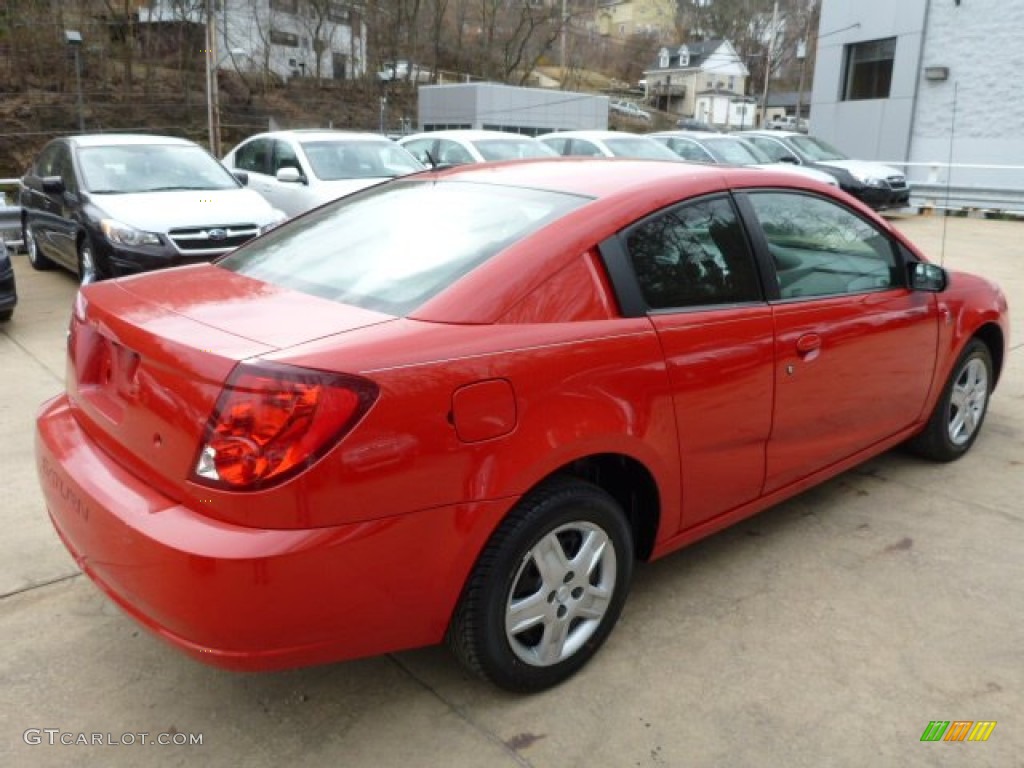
[[867, 179], [122, 234]]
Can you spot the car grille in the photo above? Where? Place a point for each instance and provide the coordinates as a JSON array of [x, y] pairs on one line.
[[897, 182], [212, 240]]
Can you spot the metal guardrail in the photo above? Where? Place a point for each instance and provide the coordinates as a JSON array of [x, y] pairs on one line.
[[10, 217], [936, 192]]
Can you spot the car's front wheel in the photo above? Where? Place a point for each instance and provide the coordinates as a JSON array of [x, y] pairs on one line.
[[548, 588], [88, 272], [956, 421], [35, 256]]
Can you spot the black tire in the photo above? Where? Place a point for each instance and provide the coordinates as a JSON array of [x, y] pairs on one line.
[[956, 421], [6, 315], [574, 611], [35, 256]]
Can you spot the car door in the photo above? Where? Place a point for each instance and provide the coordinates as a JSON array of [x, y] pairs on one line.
[[699, 286], [254, 157], [855, 347], [51, 211], [292, 197]]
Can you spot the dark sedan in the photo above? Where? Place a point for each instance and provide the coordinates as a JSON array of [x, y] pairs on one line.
[[879, 186], [117, 204]]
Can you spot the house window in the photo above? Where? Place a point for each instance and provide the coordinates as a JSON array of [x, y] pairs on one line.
[[684, 56], [868, 71], [279, 37], [286, 6], [663, 58], [732, 83], [338, 13]]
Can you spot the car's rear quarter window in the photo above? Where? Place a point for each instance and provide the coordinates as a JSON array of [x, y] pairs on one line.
[[393, 247]]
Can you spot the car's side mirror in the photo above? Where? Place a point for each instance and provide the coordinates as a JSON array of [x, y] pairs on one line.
[[927, 277], [789, 159], [53, 185], [290, 175], [242, 176]]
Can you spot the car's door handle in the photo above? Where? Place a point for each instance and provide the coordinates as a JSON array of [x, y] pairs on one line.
[[808, 344]]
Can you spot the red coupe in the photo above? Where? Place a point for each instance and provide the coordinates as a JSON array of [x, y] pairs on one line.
[[461, 405]]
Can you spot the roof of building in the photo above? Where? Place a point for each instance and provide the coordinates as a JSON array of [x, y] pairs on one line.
[[699, 50]]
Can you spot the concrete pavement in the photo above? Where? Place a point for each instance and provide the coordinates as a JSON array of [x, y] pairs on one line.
[[828, 631]]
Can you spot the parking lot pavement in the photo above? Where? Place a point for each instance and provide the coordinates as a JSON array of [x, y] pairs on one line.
[[828, 631]]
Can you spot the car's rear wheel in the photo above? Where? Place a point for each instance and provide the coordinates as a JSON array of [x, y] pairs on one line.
[[6, 315], [956, 421], [548, 588], [35, 256]]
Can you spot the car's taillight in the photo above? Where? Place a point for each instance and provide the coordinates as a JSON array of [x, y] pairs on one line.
[[272, 421]]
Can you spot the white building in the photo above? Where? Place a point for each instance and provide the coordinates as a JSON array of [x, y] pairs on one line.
[[288, 38], [927, 82]]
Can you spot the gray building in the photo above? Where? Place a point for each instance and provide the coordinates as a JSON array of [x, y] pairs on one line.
[[491, 106], [927, 82]]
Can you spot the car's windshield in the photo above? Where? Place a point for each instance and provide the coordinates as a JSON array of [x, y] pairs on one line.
[[332, 160], [816, 149], [512, 149], [133, 168], [392, 247], [640, 147], [734, 151]]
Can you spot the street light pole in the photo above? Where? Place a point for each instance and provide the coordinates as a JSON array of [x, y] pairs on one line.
[[74, 39], [212, 98], [768, 62]]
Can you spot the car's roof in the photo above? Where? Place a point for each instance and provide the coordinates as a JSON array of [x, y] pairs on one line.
[[591, 177], [467, 134], [696, 135], [120, 139], [772, 134], [590, 134], [320, 134]]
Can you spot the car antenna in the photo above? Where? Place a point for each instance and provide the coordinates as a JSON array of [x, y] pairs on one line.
[[949, 177]]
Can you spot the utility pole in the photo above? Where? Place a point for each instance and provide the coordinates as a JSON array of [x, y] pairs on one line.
[[212, 98], [768, 62], [562, 42]]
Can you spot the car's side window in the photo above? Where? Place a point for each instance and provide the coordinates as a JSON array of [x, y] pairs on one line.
[[823, 249], [452, 153], [690, 151], [694, 254], [254, 156], [46, 164], [772, 148], [285, 157], [559, 145], [420, 149], [63, 167], [583, 148]]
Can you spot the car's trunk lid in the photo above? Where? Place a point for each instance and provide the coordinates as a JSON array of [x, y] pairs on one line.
[[147, 364]]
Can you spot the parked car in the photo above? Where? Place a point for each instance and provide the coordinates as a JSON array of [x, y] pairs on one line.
[[703, 147], [629, 110], [787, 123], [693, 124], [403, 70], [8, 287], [606, 144], [382, 425], [879, 186], [299, 170], [108, 205], [457, 147]]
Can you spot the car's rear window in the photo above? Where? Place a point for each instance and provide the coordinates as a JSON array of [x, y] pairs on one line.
[[512, 149], [394, 246]]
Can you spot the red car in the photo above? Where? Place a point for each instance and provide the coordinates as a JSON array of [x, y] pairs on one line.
[[462, 404]]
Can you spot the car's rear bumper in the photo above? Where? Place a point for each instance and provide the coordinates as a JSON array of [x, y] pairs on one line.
[[252, 598]]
